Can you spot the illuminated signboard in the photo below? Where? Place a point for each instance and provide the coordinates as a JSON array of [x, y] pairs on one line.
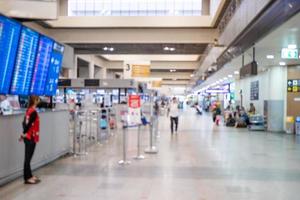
[[9, 38], [25, 61], [287, 53], [41, 66]]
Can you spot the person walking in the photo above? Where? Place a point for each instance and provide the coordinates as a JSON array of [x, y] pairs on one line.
[[173, 112], [30, 136]]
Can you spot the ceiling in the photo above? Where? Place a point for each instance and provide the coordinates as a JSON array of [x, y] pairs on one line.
[[140, 49], [152, 57]]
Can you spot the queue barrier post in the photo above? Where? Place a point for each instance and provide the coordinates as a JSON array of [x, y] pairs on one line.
[[139, 156], [124, 161]]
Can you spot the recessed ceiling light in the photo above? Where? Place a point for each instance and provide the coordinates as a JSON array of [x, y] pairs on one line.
[[172, 70], [270, 56], [292, 46], [111, 49], [166, 48], [172, 49], [105, 48], [230, 76], [282, 63], [236, 72], [192, 75]]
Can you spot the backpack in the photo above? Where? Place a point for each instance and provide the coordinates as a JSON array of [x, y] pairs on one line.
[[103, 123]]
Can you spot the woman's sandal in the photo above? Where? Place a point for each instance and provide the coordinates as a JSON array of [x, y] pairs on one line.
[[36, 178], [31, 182]]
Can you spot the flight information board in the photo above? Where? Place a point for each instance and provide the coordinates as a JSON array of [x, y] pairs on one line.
[[9, 38], [54, 68], [41, 66], [25, 60]]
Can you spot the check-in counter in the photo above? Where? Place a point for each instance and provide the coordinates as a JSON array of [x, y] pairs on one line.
[[54, 142]]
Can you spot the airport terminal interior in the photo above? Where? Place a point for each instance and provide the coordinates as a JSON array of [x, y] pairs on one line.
[[149, 99]]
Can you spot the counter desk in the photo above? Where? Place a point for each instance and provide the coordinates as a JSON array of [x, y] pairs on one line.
[[54, 142]]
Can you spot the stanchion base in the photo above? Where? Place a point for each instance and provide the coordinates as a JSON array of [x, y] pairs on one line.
[[151, 150], [124, 162], [140, 157], [80, 154]]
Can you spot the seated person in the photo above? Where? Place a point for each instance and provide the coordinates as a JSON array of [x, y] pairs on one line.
[[243, 120], [230, 121]]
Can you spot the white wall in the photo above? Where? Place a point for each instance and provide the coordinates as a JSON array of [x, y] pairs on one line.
[[90, 72], [169, 90], [272, 86], [245, 84]]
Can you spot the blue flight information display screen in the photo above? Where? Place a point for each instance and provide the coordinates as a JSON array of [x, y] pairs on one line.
[[9, 38], [28, 45], [41, 66], [54, 68]]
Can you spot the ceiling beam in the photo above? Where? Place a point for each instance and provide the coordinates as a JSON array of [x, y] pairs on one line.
[[159, 36]]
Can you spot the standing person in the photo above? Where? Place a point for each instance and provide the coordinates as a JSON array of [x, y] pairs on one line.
[[30, 136], [173, 112], [218, 115]]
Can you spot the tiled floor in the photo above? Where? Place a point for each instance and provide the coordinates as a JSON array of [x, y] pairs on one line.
[[202, 162]]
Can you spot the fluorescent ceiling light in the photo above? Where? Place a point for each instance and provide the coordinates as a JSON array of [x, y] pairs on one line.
[[105, 48], [270, 56], [282, 63], [166, 48], [172, 70], [111, 49], [225, 78], [172, 49], [230, 76], [292, 46], [236, 72]]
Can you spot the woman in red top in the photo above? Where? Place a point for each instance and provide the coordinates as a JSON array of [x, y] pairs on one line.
[[31, 126]]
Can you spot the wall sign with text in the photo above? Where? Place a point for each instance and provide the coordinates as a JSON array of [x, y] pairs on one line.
[[254, 90]]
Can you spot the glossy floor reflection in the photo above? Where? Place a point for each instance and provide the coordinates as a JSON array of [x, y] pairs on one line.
[[202, 162]]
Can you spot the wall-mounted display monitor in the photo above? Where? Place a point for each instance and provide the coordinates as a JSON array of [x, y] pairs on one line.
[[9, 38], [24, 63], [41, 66], [54, 68]]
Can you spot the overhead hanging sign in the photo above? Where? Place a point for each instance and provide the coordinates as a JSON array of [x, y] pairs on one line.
[[287, 53], [134, 110], [156, 84], [140, 70]]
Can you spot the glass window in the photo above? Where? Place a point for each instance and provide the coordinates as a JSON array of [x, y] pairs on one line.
[[134, 7]]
